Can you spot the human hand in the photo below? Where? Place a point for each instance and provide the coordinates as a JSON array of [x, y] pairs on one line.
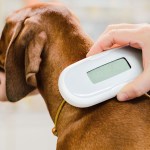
[[3, 96], [137, 36]]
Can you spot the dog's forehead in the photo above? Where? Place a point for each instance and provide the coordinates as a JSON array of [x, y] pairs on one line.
[[38, 9]]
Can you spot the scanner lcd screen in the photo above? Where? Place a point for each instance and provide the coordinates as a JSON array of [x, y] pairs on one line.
[[108, 70]]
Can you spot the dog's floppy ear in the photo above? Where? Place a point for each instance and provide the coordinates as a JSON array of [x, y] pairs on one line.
[[10, 32], [22, 63], [33, 59]]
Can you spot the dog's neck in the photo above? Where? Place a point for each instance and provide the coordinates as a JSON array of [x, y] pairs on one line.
[[68, 47]]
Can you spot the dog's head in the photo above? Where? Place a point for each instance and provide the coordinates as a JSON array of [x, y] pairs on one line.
[[33, 34]]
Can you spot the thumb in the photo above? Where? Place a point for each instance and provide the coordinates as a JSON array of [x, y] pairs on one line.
[[136, 88]]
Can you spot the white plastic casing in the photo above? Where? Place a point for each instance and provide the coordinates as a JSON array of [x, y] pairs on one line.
[[78, 90]]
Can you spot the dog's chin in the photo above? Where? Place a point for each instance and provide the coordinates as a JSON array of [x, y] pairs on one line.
[[3, 96]]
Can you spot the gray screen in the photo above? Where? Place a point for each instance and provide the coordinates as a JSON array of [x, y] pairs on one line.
[[108, 70]]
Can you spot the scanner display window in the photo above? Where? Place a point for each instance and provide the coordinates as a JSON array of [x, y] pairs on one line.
[[108, 70]]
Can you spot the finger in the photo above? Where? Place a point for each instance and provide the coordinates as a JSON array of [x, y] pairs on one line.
[[136, 88], [146, 56], [120, 36], [135, 45], [120, 26]]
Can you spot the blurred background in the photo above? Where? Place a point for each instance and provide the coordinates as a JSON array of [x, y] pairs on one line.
[[27, 124]]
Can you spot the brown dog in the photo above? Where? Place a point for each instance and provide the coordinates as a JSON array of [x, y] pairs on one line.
[[39, 42]]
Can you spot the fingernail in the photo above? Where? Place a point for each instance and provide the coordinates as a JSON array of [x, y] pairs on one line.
[[122, 97], [88, 54]]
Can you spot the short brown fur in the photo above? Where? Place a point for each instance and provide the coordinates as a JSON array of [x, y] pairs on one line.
[[48, 38]]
